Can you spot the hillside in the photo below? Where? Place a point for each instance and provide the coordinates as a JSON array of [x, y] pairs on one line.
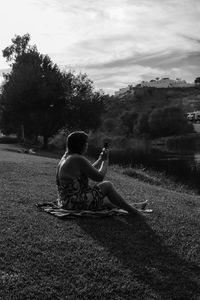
[[123, 112], [143, 99], [149, 98]]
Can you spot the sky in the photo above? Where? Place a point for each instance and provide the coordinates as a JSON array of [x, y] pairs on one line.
[[115, 42]]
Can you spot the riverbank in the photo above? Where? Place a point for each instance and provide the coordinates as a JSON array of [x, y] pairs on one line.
[[141, 173], [109, 258], [156, 178]]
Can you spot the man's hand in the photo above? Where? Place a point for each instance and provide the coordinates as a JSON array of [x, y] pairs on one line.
[[104, 154]]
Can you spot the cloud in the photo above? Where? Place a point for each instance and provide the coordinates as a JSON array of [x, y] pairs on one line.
[[115, 42], [162, 60], [196, 40], [150, 59]]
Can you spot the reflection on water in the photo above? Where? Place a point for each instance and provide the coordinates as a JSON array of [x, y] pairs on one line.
[[183, 166], [197, 158]]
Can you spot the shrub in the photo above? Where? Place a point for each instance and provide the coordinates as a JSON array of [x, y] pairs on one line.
[[183, 142], [128, 120], [119, 142], [142, 125], [8, 140], [167, 121], [97, 139], [58, 141], [109, 125]]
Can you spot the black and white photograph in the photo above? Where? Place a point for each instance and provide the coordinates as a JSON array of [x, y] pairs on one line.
[[100, 150]]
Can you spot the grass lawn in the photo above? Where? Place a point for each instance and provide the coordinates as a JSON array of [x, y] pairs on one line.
[[42, 257]]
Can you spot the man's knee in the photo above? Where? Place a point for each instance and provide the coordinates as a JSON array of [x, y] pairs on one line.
[[108, 185]]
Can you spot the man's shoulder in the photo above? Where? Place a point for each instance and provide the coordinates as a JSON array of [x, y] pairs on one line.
[[76, 157]]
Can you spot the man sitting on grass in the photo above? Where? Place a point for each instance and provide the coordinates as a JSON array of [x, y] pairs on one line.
[[73, 174]]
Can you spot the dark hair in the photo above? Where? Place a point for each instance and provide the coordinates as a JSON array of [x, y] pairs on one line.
[[76, 142]]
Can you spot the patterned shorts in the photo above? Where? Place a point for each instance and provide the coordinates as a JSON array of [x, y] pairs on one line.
[[89, 199]]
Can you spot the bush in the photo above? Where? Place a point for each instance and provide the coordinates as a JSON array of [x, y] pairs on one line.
[[8, 140], [162, 122], [128, 120], [58, 141], [97, 139], [142, 125], [119, 142], [109, 125], [168, 121], [183, 142]]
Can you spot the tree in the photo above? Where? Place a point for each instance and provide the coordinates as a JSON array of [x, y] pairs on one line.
[[142, 124], [128, 120], [33, 94], [169, 120], [20, 45], [37, 96], [84, 106], [109, 124], [197, 80]]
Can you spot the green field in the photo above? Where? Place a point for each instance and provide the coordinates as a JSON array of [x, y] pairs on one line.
[[42, 257]]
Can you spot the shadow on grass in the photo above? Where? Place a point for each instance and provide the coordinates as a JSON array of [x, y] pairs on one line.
[[142, 251]]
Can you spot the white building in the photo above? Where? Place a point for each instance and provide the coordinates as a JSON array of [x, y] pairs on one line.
[[193, 116], [166, 83]]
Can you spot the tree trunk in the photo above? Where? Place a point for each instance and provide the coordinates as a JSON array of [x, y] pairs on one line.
[[22, 133], [35, 139], [45, 142]]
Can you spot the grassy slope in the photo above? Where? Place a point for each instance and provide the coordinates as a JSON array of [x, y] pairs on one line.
[[42, 257]]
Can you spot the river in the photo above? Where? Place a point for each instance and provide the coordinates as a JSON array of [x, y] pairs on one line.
[[181, 164]]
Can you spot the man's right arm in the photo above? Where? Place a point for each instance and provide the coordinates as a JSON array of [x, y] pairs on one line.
[[92, 173]]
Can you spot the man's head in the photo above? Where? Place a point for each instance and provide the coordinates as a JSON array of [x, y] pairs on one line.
[[77, 142]]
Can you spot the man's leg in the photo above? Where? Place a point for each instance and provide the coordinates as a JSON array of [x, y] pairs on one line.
[[115, 198]]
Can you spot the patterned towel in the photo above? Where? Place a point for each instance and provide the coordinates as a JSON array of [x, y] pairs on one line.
[[52, 208]]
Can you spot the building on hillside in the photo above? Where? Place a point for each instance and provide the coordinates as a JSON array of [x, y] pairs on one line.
[[166, 83], [155, 83], [121, 91], [127, 90], [193, 116]]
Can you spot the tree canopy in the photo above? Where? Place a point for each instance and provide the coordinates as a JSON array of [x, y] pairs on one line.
[[33, 92], [197, 80], [84, 105], [166, 121], [43, 99], [19, 46], [128, 120]]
